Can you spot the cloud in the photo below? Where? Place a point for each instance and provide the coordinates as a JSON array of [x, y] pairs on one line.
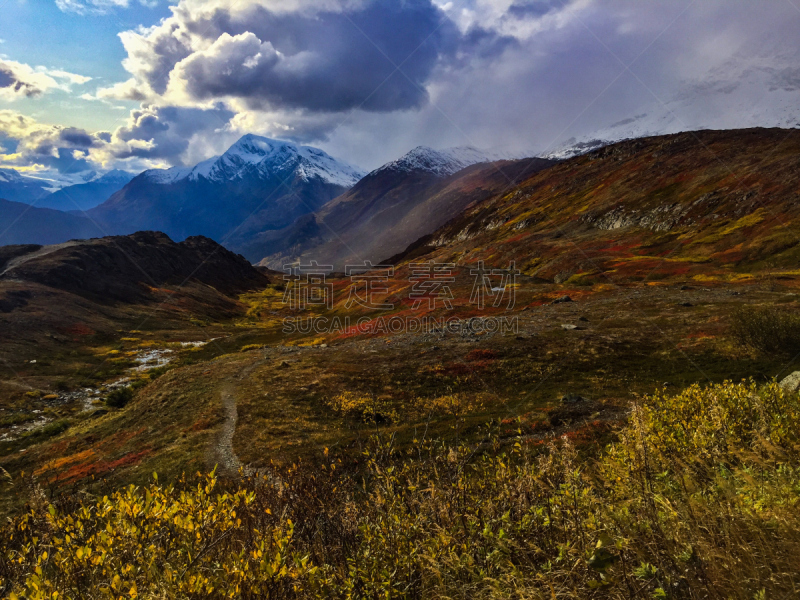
[[322, 56], [98, 7], [521, 75], [166, 134], [125, 90], [33, 144], [18, 80], [153, 136]]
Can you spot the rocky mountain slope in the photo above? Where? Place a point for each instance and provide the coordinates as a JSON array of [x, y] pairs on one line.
[[392, 206], [257, 184], [706, 204]]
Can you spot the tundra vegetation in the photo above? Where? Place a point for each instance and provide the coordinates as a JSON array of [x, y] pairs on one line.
[[628, 441], [695, 496]]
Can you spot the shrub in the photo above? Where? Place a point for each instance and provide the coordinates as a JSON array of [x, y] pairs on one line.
[[249, 347], [766, 329], [119, 397], [696, 498], [363, 407]]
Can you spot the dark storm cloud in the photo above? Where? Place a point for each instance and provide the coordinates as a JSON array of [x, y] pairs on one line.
[[165, 132], [330, 60], [77, 138], [522, 75], [65, 161]]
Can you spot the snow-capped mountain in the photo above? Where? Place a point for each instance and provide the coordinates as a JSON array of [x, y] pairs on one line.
[[257, 184], [9, 176], [260, 156], [22, 188], [62, 192], [439, 162], [94, 190]]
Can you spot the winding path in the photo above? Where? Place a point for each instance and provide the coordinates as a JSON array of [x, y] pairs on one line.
[[226, 458], [223, 453]]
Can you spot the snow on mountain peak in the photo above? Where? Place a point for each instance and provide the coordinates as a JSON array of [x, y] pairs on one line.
[[9, 175], [439, 162], [267, 157]]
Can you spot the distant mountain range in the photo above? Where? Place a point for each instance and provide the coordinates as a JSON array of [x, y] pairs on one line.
[[18, 188], [83, 196], [90, 190], [273, 201], [257, 184], [277, 202]]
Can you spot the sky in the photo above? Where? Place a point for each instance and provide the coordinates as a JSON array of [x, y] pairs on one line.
[[134, 84]]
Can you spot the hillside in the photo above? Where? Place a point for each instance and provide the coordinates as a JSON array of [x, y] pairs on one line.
[[123, 268], [21, 223], [708, 204], [257, 184], [392, 206], [52, 297]]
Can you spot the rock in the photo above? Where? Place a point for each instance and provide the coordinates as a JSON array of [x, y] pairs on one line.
[[687, 304], [572, 399], [568, 327], [562, 300], [284, 365], [685, 287], [584, 319], [791, 382], [572, 407]]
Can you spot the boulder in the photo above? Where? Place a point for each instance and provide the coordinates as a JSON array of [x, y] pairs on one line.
[[791, 382]]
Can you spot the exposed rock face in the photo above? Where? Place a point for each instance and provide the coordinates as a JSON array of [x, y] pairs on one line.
[[661, 218], [126, 268]]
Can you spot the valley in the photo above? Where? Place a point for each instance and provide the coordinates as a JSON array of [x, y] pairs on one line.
[[650, 279], [615, 278]]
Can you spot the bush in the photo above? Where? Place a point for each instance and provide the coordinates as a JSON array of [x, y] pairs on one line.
[[767, 329], [696, 498], [119, 397]]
